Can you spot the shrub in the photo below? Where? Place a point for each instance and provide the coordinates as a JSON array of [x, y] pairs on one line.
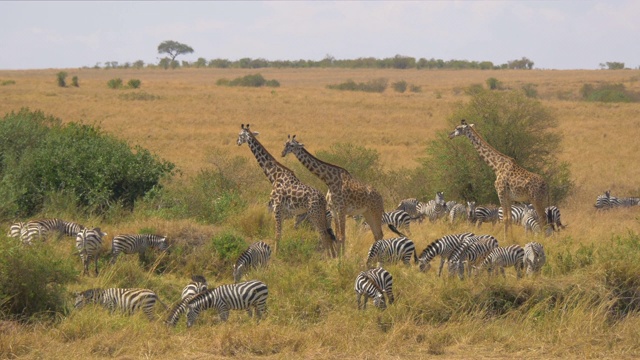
[[134, 83], [115, 83], [74, 81], [494, 84], [415, 88], [530, 90], [7, 82], [400, 86], [143, 96], [41, 156], [32, 279], [62, 76], [228, 246], [608, 93], [474, 89], [255, 80], [376, 85], [272, 83], [515, 125]]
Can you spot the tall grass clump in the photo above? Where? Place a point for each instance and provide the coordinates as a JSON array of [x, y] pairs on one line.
[[512, 123], [376, 85], [33, 279], [74, 81], [138, 96], [7, 82], [252, 80], [62, 78], [134, 83], [40, 155], [608, 93]]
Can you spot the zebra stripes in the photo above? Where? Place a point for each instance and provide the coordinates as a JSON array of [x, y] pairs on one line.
[[392, 250], [138, 243], [15, 229], [502, 257], [534, 257], [444, 247], [606, 201], [89, 245], [43, 228], [397, 218], [257, 255], [553, 218], [250, 295], [433, 209], [517, 212], [483, 214], [197, 285], [125, 300], [473, 250], [410, 206], [375, 284]]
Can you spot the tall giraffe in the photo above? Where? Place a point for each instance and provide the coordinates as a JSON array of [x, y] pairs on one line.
[[347, 195], [513, 182], [289, 196]]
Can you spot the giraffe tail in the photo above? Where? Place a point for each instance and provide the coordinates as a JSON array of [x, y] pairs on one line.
[[393, 228]]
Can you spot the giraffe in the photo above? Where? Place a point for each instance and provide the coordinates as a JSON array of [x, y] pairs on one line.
[[513, 182], [346, 196], [289, 196]]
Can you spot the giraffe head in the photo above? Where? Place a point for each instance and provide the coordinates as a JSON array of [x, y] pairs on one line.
[[461, 129], [245, 134], [291, 145]]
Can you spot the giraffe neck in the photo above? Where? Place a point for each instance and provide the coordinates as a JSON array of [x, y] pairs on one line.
[[266, 161], [488, 153], [325, 171]]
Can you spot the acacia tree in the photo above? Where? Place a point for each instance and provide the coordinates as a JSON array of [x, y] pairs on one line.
[[173, 49]]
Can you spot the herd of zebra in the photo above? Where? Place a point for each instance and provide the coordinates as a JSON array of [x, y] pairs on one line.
[[606, 201]]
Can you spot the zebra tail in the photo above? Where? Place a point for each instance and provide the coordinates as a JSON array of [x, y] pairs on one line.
[[415, 256], [393, 228], [332, 235]]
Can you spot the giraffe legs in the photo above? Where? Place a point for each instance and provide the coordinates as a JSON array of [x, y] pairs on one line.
[[375, 224], [328, 240]]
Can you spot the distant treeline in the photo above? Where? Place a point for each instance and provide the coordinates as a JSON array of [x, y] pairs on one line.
[[396, 62]]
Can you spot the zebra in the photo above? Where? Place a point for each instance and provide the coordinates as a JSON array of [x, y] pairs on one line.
[[300, 218], [502, 257], [392, 250], [247, 295], [410, 206], [89, 245], [553, 218], [397, 218], [534, 257], [603, 202], [625, 201], [15, 229], [257, 255], [530, 223], [197, 285], [473, 250], [137, 243], [483, 214], [433, 209], [460, 211], [374, 283], [444, 247], [517, 212], [40, 229], [126, 300]]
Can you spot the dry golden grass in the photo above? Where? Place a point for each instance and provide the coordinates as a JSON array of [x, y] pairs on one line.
[[193, 117]]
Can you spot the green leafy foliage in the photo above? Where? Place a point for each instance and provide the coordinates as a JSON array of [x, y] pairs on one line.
[[252, 80], [62, 78], [114, 83], [134, 83], [228, 246], [376, 85], [39, 155], [512, 123], [608, 93]]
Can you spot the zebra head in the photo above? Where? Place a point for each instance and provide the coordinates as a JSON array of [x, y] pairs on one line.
[[460, 129], [163, 244], [246, 134], [379, 300], [85, 297], [291, 145]]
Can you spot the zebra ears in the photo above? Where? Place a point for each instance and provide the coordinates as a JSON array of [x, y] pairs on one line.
[[464, 122]]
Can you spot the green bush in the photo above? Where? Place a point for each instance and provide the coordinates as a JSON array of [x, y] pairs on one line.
[[62, 78], [42, 156], [272, 83], [376, 85], [74, 81], [134, 83], [415, 88], [400, 86], [530, 90], [7, 82], [33, 279], [254, 80], [515, 125], [608, 93], [228, 246], [494, 84], [114, 83]]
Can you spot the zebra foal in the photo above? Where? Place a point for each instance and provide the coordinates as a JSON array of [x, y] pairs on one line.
[[375, 284]]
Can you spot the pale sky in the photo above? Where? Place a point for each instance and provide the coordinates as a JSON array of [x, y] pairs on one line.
[[553, 34]]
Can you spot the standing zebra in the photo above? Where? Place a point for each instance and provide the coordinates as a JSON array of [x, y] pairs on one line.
[[374, 283], [433, 209], [138, 243], [517, 212], [392, 250], [461, 212], [126, 300], [534, 257], [410, 206], [473, 250], [553, 218], [397, 218], [241, 296], [444, 247], [41, 229], [531, 223], [197, 285], [502, 257], [15, 229], [483, 214], [257, 255], [89, 245]]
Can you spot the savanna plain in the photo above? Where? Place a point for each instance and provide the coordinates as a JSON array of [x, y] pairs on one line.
[[584, 304]]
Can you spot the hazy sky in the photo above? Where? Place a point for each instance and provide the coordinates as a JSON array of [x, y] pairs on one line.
[[553, 34]]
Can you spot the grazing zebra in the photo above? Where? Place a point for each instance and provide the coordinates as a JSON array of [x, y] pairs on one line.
[[410, 206], [444, 247], [531, 224], [374, 283], [15, 229], [126, 300], [473, 250], [502, 257], [138, 243], [241, 296], [460, 211], [517, 212], [41, 229], [89, 245], [534, 257], [433, 209], [392, 250], [300, 218], [257, 255], [397, 218], [553, 218], [483, 214], [197, 285]]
